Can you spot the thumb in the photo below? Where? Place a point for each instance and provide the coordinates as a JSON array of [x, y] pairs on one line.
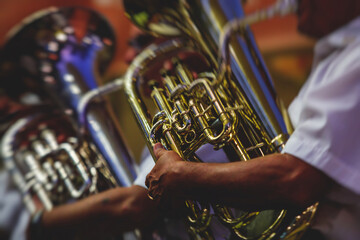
[[159, 150]]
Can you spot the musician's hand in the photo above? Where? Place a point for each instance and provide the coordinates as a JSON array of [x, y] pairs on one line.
[[164, 180]]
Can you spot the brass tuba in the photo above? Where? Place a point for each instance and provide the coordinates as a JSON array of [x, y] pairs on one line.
[[231, 104], [68, 145]]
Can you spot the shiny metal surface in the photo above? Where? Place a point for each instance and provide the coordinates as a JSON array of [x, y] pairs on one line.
[[60, 54], [45, 157], [232, 105]]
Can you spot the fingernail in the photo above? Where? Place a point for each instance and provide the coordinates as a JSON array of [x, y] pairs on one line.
[[158, 146]]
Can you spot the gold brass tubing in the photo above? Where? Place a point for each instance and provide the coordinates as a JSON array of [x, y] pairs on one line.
[[207, 112], [282, 7], [172, 141], [279, 141], [161, 101], [241, 151], [132, 76], [214, 99], [138, 67], [184, 115], [194, 33], [163, 126], [170, 83], [157, 127], [180, 105], [203, 124], [225, 92], [184, 73], [286, 116], [220, 109], [186, 78]]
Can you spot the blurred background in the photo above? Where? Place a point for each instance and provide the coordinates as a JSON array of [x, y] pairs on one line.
[[287, 53]]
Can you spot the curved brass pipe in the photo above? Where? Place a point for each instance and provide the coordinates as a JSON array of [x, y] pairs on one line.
[[237, 108]]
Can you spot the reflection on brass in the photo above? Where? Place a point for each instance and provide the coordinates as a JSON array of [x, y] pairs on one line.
[[47, 159], [231, 105], [66, 147]]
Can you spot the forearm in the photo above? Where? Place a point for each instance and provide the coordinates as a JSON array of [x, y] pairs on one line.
[[274, 181], [114, 211]]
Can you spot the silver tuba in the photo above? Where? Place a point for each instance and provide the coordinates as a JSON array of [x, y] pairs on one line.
[[47, 159], [230, 104], [70, 145]]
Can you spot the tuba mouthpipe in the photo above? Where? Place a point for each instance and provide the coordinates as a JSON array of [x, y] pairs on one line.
[[238, 26], [90, 96]]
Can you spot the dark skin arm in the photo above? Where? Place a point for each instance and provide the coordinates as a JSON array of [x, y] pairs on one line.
[[273, 181], [111, 212]]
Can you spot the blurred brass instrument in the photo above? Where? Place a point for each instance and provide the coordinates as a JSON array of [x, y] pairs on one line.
[[66, 146], [231, 105], [48, 160]]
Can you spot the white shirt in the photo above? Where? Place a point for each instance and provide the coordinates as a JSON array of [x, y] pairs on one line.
[[14, 217], [326, 117]]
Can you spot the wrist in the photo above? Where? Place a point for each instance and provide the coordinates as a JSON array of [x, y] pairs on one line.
[[183, 173]]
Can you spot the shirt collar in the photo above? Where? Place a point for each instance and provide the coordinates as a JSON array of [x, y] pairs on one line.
[[338, 39]]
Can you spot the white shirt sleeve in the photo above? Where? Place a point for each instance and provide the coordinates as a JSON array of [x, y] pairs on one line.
[[326, 115], [145, 167]]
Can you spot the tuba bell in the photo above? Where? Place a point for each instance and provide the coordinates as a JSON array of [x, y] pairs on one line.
[[231, 105], [66, 146]]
